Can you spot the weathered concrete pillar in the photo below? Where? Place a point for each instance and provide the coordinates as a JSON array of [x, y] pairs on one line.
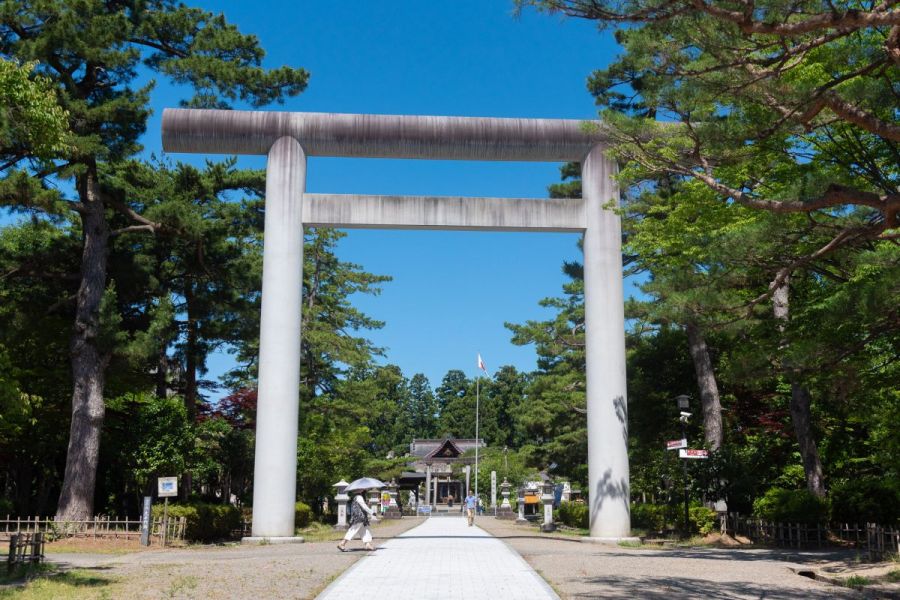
[[427, 485], [275, 468], [604, 324]]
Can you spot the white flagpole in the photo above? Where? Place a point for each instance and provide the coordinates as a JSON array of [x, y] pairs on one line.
[[477, 402]]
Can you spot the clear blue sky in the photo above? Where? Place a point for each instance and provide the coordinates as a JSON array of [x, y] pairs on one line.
[[452, 291]]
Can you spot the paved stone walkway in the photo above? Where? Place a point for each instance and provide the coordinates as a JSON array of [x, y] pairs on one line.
[[442, 558]]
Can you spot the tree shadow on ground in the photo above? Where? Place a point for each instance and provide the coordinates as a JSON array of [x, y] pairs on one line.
[[748, 555], [628, 588]]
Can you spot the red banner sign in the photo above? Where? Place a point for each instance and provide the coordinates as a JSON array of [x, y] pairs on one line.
[[693, 453]]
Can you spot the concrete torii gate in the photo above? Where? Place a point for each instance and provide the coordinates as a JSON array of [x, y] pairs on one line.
[[288, 138]]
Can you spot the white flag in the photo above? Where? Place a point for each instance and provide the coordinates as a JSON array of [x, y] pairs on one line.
[[481, 364]]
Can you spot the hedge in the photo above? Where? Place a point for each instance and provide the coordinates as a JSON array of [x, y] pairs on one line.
[[791, 506], [703, 519], [302, 515], [205, 522], [652, 517], [866, 500], [573, 514]]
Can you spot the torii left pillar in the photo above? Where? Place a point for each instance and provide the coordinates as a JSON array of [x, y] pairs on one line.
[[275, 475]]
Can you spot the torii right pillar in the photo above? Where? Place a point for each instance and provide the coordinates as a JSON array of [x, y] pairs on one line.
[[604, 328]]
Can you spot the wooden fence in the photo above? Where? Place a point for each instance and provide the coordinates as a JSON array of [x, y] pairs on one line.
[[24, 548], [880, 542], [100, 527]]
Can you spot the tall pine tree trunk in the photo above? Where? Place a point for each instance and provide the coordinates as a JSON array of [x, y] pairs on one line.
[[76, 499], [706, 383], [801, 415], [191, 350]]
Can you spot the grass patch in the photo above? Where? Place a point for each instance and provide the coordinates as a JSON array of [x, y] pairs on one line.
[[63, 548], [573, 531], [23, 572], [320, 532], [857, 581], [630, 544], [181, 584], [71, 584], [893, 576]]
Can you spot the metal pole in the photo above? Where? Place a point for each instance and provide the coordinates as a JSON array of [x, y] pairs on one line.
[[477, 402], [165, 521], [686, 486]]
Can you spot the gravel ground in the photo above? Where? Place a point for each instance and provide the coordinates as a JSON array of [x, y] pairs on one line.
[[579, 570], [234, 571]]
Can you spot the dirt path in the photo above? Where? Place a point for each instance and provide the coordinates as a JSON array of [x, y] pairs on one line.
[[580, 570], [232, 571]]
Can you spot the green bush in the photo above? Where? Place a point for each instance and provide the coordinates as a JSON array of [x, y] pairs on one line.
[[573, 514], [702, 518], [865, 500], [205, 522], [652, 517], [791, 506], [302, 515], [6, 507]]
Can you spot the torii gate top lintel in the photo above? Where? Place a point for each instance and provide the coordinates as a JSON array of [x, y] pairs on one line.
[[380, 136]]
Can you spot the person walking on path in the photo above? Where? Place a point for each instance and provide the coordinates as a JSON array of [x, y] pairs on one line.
[[471, 506], [360, 513]]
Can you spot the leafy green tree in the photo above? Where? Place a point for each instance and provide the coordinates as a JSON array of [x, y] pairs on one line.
[[32, 124], [784, 109], [96, 54], [456, 402], [422, 409], [552, 421]]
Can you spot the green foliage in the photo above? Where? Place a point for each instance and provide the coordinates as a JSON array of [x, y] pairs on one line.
[[866, 500], [205, 522], [574, 514], [510, 464], [703, 519], [857, 581], [302, 515], [791, 506], [30, 118], [652, 517]]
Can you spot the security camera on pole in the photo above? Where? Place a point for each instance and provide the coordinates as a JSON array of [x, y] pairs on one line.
[[684, 452]]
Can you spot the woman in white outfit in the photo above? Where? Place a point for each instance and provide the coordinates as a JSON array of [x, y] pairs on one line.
[[360, 513]]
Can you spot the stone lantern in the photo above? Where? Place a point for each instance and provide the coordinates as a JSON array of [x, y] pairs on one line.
[[393, 508], [521, 518], [374, 500], [505, 511], [341, 498], [547, 501]]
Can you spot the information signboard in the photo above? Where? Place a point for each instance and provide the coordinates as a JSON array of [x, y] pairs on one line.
[[693, 453], [676, 444], [167, 487]]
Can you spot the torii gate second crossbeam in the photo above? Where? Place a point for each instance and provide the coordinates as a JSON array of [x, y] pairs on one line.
[[288, 138]]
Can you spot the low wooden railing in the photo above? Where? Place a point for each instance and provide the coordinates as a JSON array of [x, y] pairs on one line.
[[879, 542], [100, 527]]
